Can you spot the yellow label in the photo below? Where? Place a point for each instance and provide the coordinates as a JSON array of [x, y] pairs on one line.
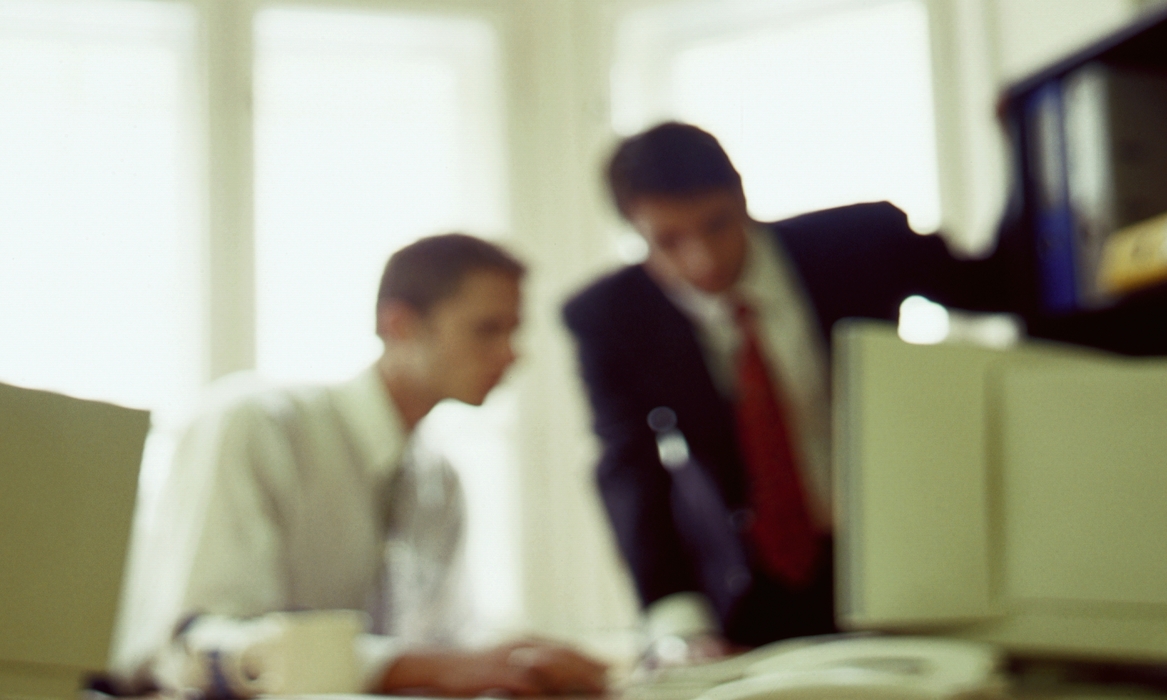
[[1135, 257]]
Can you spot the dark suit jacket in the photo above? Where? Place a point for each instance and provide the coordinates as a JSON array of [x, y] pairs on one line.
[[638, 352]]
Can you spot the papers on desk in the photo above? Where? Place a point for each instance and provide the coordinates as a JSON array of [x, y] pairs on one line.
[[688, 682], [838, 667]]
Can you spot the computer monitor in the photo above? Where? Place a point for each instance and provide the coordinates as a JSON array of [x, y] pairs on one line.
[[1014, 496], [68, 480]]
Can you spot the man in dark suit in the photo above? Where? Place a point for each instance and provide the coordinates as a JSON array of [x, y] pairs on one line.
[[722, 507]]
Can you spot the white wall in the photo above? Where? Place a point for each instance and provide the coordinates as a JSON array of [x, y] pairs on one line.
[[558, 130]]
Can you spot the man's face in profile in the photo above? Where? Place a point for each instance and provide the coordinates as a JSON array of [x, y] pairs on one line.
[[466, 339], [698, 239]]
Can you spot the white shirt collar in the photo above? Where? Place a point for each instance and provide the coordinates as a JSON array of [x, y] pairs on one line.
[[762, 271], [365, 405]]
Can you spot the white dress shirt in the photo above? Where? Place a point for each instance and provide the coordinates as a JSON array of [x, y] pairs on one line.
[[299, 499], [797, 363]]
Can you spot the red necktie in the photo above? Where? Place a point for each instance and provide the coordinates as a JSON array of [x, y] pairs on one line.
[[786, 539]]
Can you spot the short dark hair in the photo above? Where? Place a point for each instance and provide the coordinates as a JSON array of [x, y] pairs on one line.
[[671, 159], [431, 269]]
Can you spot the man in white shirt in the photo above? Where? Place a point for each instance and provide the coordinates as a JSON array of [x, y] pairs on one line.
[[724, 331], [290, 499]]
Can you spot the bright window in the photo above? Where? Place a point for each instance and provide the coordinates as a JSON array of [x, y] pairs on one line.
[[371, 130], [99, 199], [816, 107]]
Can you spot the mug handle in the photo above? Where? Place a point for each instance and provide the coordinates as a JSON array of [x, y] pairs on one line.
[[228, 678]]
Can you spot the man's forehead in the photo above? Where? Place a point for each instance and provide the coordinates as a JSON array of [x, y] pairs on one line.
[[653, 212], [484, 289], [688, 200]]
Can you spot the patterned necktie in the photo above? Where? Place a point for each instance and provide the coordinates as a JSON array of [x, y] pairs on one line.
[[781, 528]]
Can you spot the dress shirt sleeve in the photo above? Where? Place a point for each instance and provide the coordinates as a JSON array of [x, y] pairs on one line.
[[683, 615], [210, 542], [213, 561], [235, 558]]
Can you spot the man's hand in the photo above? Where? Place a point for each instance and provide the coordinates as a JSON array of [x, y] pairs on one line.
[[683, 651], [520, 669]]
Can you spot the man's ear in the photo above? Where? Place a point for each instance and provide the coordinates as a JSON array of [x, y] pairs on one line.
[[397, 321]]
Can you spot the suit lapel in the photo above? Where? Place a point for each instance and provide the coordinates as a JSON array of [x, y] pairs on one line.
[[681, 358], [811, 275]]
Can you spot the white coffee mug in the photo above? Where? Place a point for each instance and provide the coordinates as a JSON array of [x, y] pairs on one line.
[[290, 653]]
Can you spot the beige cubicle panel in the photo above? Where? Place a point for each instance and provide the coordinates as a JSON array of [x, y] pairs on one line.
[[68, 480]]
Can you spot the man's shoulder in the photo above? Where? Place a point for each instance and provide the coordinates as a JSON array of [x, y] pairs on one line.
[[883, 213], [866, 222], [612, 286], [614, 296], [248, 399], [831, 245]]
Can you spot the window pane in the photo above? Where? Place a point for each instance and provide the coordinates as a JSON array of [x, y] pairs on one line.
[[98, 199], [371, 130], [816, 111]]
